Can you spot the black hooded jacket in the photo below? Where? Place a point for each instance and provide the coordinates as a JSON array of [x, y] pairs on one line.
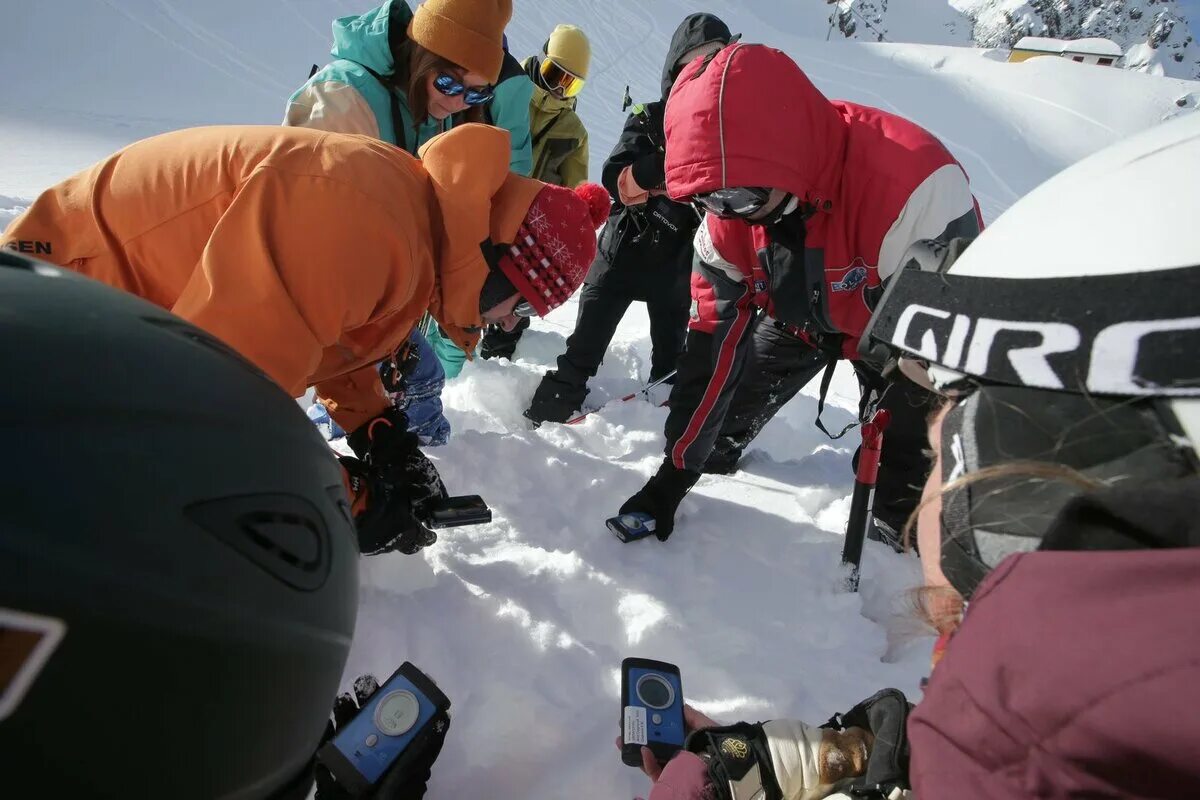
[[645, 250]]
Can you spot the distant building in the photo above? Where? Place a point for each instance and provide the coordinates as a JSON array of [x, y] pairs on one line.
[[1104, 52]]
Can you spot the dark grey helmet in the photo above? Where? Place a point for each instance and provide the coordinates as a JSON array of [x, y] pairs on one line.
[[178, 567]]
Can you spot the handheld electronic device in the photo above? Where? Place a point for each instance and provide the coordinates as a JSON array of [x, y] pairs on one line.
[[631, 527], [451, 512], [391, 730], [651, 710]]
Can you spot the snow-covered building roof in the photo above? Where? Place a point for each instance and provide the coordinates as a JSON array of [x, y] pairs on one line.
[[1093, 47]]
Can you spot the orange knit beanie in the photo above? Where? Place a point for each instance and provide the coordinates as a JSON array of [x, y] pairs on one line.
[[468, 32]]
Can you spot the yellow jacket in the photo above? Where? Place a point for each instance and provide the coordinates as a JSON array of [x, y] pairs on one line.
[[560, 142]]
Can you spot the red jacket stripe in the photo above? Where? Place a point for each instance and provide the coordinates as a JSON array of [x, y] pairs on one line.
[[716, 384]]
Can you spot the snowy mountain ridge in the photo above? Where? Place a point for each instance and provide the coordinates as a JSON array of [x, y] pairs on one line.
[[1154, 34]]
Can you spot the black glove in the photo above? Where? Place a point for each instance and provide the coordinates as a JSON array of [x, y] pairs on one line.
[[408, 784], [382, 439], [862, 753], [660, 497], [393, 485], [387, 446], [383, 513], [885, 715], [650, 171]]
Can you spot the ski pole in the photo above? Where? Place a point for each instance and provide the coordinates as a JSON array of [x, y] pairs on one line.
[[575, 420], [863, 499]]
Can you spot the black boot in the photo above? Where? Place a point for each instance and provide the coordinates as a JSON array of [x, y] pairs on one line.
[[499, 343]]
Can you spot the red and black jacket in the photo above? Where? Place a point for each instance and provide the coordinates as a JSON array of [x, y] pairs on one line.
[[869, 185]]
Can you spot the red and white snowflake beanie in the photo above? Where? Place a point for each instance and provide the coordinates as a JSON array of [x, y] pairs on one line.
[[555, 244]]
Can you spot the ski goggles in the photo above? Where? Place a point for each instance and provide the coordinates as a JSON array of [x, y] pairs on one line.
[[560, 80], [451, 86], [1011, 441], [736, 202], [953, 332], [524, 309], [1087, 384]]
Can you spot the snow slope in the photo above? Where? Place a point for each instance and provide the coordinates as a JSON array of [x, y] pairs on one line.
[[155, 65], [524, 621]]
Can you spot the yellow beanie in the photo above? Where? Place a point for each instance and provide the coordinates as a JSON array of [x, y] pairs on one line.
[[568, 47], [468, 32]]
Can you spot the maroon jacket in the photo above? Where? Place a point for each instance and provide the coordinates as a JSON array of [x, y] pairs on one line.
[[1074, 674]]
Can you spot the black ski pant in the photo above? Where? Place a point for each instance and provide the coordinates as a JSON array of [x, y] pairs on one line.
[[601, 308], [779, 366]]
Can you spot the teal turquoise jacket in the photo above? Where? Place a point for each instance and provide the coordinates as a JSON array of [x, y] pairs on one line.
[[345, 97]]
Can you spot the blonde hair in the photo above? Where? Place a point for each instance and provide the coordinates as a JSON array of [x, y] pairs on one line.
[[1033, 470], [941, 607]]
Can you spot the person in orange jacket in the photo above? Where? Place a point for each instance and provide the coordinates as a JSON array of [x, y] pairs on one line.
[[314, 254]]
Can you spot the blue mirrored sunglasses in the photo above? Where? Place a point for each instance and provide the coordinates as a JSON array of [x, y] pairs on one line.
[[452, 87]]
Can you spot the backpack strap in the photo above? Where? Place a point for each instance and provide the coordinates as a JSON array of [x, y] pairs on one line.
[[834, 355], [397, 117], [398, 19], [826, 379], [537, 137]]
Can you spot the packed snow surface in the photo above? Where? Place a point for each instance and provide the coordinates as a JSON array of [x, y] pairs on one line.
[[524, 621]]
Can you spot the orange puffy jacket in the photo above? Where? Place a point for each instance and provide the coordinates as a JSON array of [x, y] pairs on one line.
[[313, 254]]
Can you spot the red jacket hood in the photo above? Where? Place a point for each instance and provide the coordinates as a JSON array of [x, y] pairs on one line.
[[751, 117]]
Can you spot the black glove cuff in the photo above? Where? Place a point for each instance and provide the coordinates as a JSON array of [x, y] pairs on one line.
[[884, 714], [649, 171], [383, 437]]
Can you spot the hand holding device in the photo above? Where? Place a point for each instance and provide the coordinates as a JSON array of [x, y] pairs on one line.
[[383, 515], [397, 495], [651, 710], [385, 740], [391, 450], [693, 721]]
